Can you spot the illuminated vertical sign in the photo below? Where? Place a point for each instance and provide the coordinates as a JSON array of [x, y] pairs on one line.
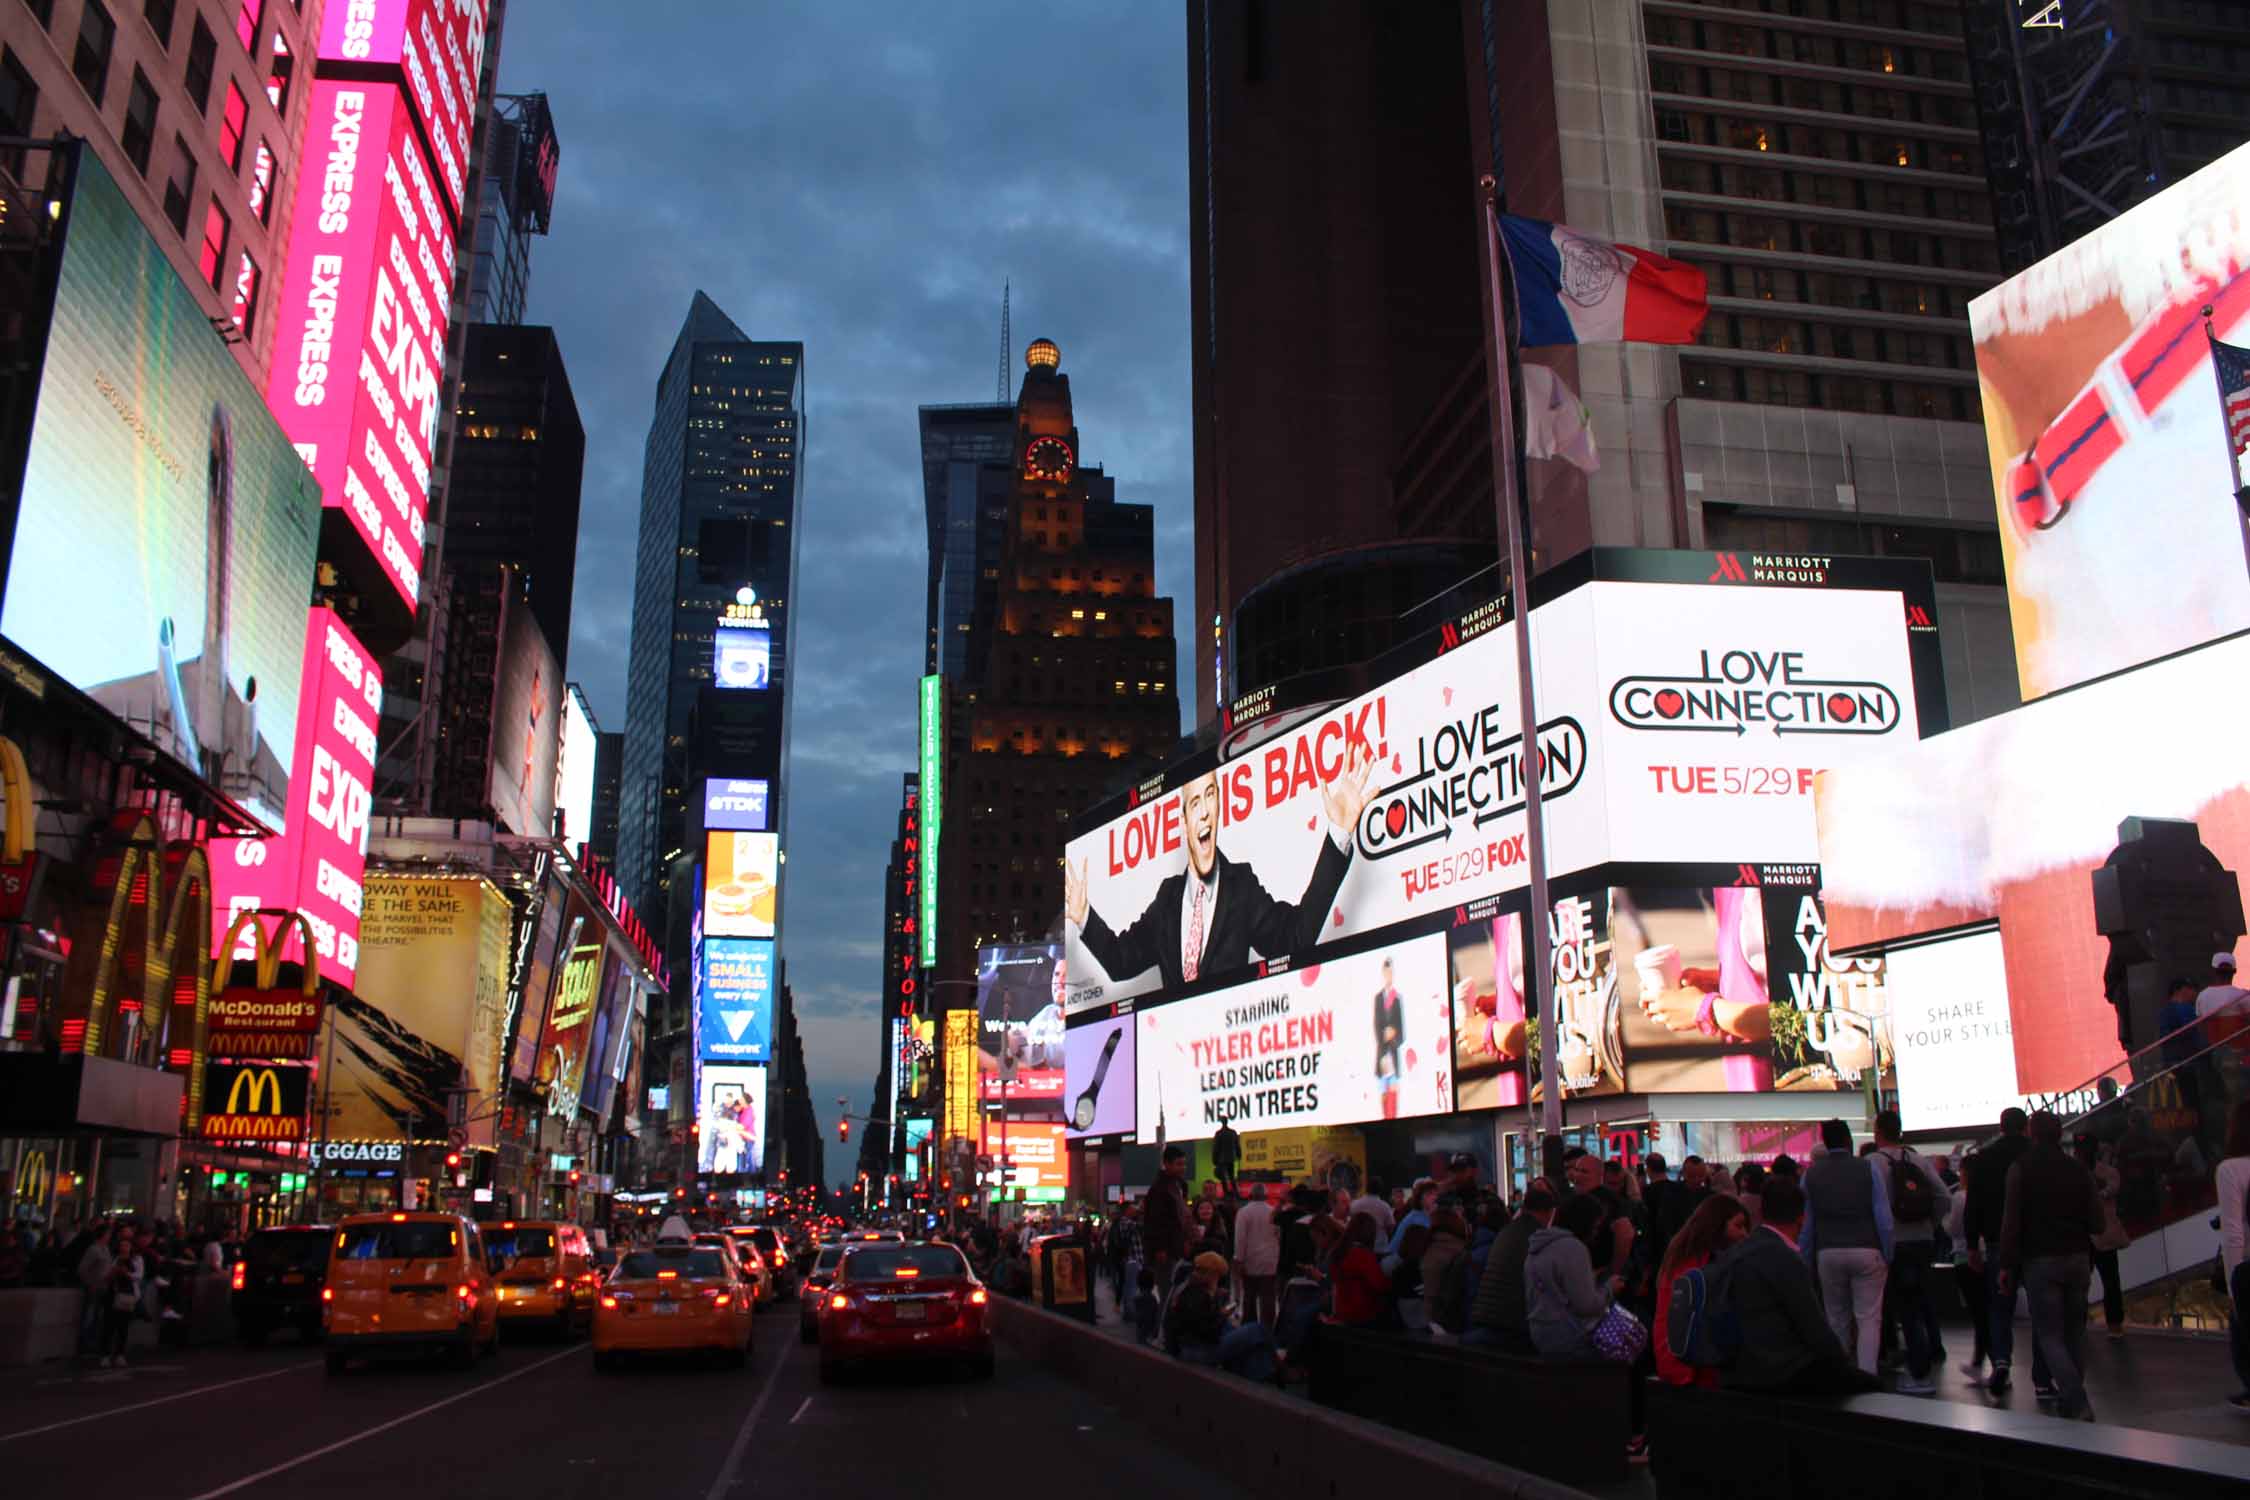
[[960, 1075], [933, 778], [902, 921], [362, 321], [435, 50]]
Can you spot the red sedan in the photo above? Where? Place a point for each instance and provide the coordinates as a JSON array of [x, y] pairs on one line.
[[904, 1302]]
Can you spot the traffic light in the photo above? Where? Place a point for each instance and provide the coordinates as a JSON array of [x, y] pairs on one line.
[[843, 1130], [574, 1177]]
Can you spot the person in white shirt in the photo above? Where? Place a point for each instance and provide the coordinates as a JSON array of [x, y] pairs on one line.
[[2222, 991], [1373, 1204], [2233, 1180], [1257, 1254]]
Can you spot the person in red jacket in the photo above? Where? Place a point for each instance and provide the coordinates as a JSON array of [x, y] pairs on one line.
[[1360, 1285], [1719, 1222]]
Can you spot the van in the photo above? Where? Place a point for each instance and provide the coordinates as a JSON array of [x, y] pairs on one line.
[[409, 1281], [545, 1270]]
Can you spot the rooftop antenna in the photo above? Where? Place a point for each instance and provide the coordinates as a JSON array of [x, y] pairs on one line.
[[1005, 344]]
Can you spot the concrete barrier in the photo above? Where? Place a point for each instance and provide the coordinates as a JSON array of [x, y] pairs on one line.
[[1267, 1442], [38, 1324]]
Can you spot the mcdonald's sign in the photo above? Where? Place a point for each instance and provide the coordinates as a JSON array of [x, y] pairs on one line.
[[263, 1018], [19, 860], [257, 1101]]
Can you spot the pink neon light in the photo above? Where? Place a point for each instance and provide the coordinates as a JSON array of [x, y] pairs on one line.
[[361, 328], [317, 863], [437, 47]]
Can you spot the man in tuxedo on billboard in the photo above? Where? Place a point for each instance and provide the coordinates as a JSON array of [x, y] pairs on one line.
[[1210, 916]]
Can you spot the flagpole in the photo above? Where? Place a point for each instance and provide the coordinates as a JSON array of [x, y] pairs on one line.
[[2234, 460], [1501, 358]]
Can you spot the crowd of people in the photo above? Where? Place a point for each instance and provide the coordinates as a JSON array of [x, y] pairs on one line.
[[1806, 1278], [127, 1271]]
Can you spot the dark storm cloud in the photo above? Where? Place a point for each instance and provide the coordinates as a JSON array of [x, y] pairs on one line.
[[861, 178]]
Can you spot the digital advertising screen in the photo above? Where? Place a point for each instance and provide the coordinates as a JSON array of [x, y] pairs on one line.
[[736, 1023], [735, 804], [526, 728], [1956, 1051], [961, 1076], [2108, 446], [730, 1108], [435, 51], [1029, 1155], [917, 1132], [741, 884], [317, 865], [1098, 1079], [574, 767], [2007, 820], [567, 1033], [361, 321], [1366, 1037], [741, 656], [165, 537], [1679, 723], [1020, 1026]]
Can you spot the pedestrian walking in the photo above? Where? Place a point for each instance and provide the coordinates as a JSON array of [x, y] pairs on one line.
[[1257, 1255], [2050, 1217], [1164, 1220], [1919, 1204], [2113, 1236], [1846, 1240], [93, 1263], [1988, 1194], [2233, 1179], [122, 1292]]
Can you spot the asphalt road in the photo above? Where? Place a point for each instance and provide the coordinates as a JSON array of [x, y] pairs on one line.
[[538, 1423]]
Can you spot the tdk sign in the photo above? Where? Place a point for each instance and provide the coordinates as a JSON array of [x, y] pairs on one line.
[[732, 805]]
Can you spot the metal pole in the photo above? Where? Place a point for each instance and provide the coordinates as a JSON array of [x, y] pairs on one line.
[[1508, 499], [327, 1113]]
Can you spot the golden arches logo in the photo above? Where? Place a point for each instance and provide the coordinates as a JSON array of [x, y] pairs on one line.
[[33, 1178], [266, 948], [264, 1086], [16, 822]]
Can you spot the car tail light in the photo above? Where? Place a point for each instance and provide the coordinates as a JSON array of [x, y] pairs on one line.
[[667, 1276], [327, 1294], [978, 1297], [559, 1283], [721, 1299], [465, 1292], [609, 1301], [839, 1302], [241, 1272]]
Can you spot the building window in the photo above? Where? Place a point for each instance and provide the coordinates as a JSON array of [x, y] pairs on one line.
[[140, 121], [278, 75], [246, 24], [202, 66], [42, 10], [214, 251], [232, 123], [246, 279], [159, 16], [19, 96], [179, 187], [261, 184], [97, 34]]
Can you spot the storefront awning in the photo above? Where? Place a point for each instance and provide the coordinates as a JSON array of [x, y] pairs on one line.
[[46, 1094]]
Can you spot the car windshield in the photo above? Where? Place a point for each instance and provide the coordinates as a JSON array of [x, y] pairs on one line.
[[296, 1249], [765, 1239], [412, 1239], [515, 1244], [647, 1265], [881, 1263], [829, 1256]]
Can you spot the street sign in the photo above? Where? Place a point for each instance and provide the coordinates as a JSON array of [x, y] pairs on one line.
[[456, 1138]]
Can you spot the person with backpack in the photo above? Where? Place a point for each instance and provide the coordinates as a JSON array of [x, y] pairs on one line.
[[1718, 1224], [1919, 1205]]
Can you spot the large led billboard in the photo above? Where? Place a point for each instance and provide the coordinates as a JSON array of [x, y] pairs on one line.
[[574, 768], [565, 1035], [1365, 1037], [1020, 1027], [436, 48], [2007, 820], [1957, 1057], [1679, 723], [165, 531], [917, 1135], [2107, 443], [526, 730], [735, 1023], [932, 787], [317, 865], [741, 656], [736, 804], [362, 318], [960, 1111], [730, 1114], [1098, 1079], [741, 884], [1030, 1156]]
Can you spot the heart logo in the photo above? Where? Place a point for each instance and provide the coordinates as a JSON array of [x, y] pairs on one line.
[[1397, 765], [1841, 708], [1410, 1059], [1394, 818], [1448, 693], [1311, 823], [1309, 977], [1669, 703], [1336, 917]]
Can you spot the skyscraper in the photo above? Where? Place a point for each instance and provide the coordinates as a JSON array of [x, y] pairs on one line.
[[515, 200], [722, 481], [965, 453]]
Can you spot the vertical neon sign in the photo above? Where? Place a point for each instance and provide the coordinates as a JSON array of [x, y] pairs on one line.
[[933, 768]]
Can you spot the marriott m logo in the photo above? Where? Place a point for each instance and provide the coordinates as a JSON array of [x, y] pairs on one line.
[[1729, 569]]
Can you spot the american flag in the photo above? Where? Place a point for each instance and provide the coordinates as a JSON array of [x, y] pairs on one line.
[[2233, 365]]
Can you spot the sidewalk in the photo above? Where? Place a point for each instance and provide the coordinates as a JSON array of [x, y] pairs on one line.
[[2159, 1382]]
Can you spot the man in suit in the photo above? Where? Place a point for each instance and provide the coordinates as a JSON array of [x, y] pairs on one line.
[[1787, 1346], [1214, 913]]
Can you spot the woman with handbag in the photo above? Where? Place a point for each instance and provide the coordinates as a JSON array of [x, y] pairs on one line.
[[125, 1279]]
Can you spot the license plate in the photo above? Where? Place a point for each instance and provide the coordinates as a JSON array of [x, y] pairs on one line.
[[294, 1278], [667, 1309], [912, 1312]]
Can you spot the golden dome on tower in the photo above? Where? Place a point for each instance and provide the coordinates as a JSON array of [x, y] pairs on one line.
[[1041, 354]]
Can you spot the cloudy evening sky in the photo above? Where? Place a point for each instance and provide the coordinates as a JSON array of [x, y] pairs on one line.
[[863, 178]]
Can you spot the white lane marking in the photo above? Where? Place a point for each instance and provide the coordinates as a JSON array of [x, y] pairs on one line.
[[118, 1411], [358, 1437], [802, 1407], [733, 1465]]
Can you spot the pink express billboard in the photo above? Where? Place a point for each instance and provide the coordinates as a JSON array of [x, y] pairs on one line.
[[315, 867], [363, 320], [438, 48]]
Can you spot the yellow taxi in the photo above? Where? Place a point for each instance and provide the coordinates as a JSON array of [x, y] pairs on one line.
[[546, 1274], [674, 1298], [408, 1281]]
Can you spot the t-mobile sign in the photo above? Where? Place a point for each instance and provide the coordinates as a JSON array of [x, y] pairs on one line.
[[438, 48], [363, 318], [316, 865]]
